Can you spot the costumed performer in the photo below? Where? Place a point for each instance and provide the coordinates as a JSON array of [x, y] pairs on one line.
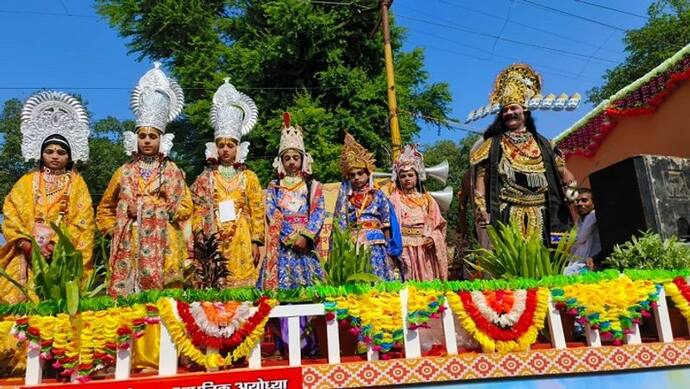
[[519, 177], [424, 256], [366, 211], [55, 131], [147, 198], [227, 196], [295, 213]]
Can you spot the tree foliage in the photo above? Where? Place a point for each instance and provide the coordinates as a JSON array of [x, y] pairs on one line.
[[322, 62], [12, 166], [667, 30]]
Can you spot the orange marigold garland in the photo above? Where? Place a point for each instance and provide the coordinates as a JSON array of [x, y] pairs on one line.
[[501, 320], [191, 339], [81, 345], [679, 291]]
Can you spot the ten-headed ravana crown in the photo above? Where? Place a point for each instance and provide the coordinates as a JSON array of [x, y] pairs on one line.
[[156, 100], [50, 112], [233, 114], [520, 84]]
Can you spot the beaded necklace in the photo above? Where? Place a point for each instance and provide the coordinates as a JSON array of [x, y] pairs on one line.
[[148, 165]]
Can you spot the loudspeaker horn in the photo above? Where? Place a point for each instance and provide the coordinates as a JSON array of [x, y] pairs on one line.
[[439, 172], [443, 197]]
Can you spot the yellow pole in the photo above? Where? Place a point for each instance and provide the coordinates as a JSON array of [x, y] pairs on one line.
[[390, 80]]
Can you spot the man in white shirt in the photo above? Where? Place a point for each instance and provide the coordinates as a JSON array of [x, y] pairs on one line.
[[587, 247]]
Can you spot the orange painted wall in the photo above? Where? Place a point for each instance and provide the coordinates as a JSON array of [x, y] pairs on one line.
[[666, 132]]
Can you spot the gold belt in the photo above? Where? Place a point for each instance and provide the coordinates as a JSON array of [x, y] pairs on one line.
[[412, 231], [524, 199]]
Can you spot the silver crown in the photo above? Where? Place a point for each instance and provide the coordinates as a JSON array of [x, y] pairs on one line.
[[233, 114], [156, 100], [50, 112]]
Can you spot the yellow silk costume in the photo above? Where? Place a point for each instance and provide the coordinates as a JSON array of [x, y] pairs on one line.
[[111, 218], [235, 237], [22, 207]]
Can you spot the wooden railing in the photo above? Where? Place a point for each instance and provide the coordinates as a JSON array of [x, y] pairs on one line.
[[168, 358]]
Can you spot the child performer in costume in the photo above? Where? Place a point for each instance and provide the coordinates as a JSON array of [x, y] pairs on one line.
[[227, 197], [365, 210], [424, 256], [295, 213], [55, 132], [147, 198]]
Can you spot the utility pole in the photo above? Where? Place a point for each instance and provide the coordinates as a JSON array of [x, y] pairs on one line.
[[390, 80]]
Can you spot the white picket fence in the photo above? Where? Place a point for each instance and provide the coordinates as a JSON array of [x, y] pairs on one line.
[[169, 357]]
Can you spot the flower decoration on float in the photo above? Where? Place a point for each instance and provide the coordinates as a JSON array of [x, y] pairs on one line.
[[612, 306], [501, 320]]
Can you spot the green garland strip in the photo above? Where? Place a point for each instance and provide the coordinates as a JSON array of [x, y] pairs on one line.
[[658, 276], [320, 293]]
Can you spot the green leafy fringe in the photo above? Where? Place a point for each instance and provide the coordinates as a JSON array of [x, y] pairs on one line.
[[319, 293]]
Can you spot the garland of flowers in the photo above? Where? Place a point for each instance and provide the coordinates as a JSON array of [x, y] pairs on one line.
[[501, 320], [83, 344], [374, 317], [185, 332], [423, 305], [642, 97], [206, 330], [679, 291], [613, 307]]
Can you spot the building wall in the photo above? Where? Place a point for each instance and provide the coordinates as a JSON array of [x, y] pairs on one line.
[[666, 132]]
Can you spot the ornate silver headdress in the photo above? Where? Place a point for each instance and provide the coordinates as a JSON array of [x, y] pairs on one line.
[[410, 158], [156, 101], [291, 138], [233, 115], [50, 112]]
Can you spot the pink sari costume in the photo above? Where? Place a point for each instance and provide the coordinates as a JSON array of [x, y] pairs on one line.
[[420, 222]]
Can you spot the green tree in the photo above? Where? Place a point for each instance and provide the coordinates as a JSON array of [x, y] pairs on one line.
[[105, 154], [667, 30], [12, 166], [322, 62]]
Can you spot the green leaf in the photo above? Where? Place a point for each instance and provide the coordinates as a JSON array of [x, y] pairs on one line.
[[362, 278], [72, 297]]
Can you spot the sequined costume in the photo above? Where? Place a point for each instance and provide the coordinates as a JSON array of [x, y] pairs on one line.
[[367, 212], [520, 169], [292, 210], [29, 208]]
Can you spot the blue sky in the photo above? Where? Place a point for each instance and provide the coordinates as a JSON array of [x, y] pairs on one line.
[[64, 44]]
